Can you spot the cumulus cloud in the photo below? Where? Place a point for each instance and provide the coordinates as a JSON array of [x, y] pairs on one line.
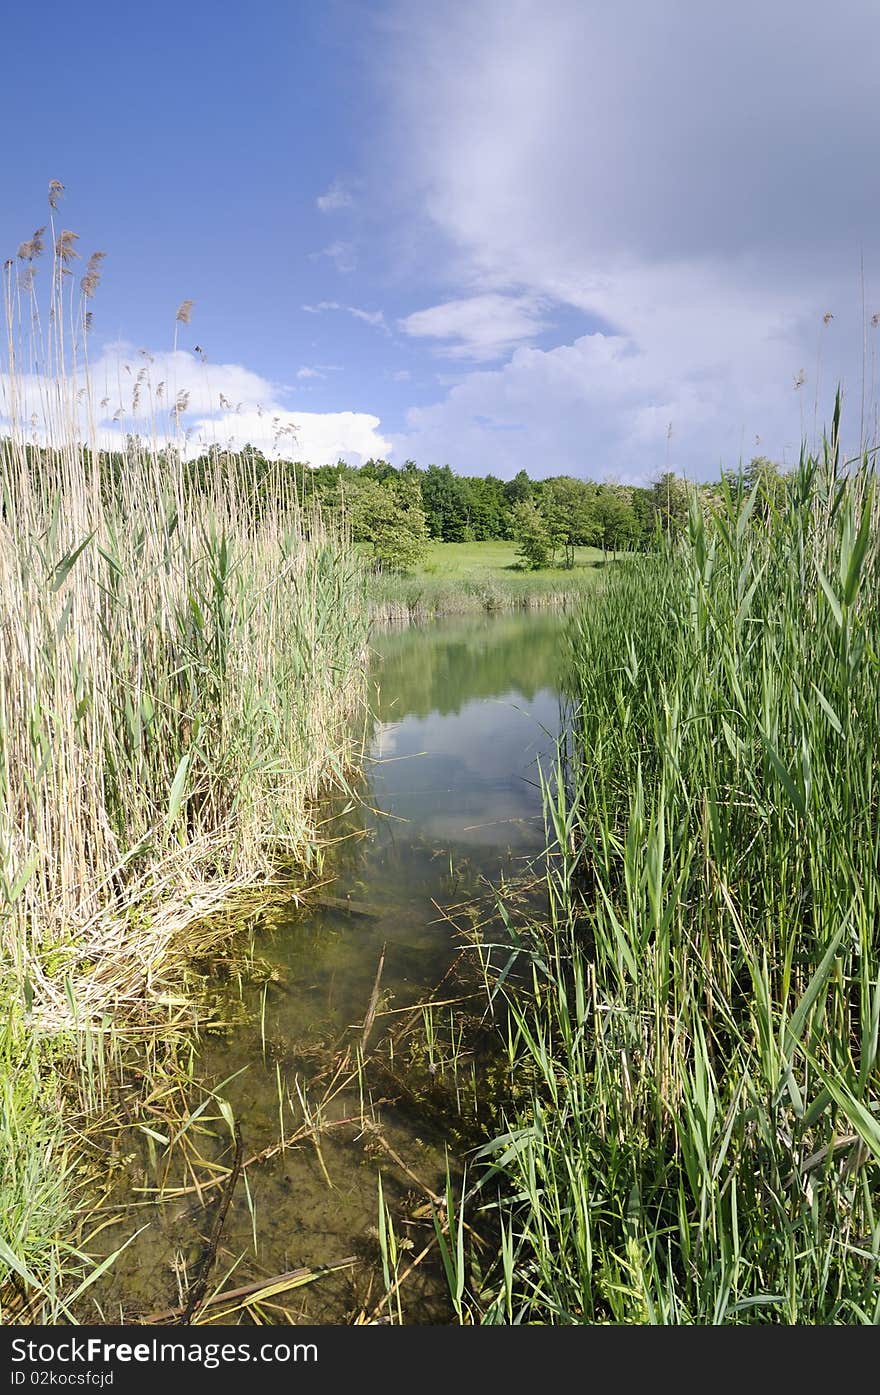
[[598, 407], [695, 178], [479, 327], [180, 397], [320, 438]]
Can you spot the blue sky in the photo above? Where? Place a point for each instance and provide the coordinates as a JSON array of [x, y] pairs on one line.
[[493, 233]]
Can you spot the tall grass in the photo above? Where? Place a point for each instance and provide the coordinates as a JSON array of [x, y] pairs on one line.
[[176, 674], [696, 1138], [181, 655]]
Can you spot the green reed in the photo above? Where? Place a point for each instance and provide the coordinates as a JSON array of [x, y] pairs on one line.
[[698, 1035]]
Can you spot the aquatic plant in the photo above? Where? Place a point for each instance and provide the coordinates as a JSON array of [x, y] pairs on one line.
[[698, 1033]]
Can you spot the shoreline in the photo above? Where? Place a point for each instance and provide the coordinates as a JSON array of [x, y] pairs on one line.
[[463, 587]]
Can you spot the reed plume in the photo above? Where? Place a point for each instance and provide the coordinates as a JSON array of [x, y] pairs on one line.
[[33, 246], [92, 277]]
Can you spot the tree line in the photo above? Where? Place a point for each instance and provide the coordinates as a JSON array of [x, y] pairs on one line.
[[395, 512]]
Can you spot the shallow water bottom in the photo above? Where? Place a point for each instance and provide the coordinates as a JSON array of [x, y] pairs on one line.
[[450, 810]]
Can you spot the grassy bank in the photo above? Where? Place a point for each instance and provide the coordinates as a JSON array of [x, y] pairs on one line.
[[695, 1133], [479, 576], [179, 667]]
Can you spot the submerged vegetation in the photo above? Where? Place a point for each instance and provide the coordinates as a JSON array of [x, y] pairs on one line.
[[695, 1027], [179, 670]]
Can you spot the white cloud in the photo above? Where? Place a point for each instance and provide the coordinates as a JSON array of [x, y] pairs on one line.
[[225, 404], [341, 254], [370, 317], [336, 198], [659, 169], [141, 388], [479, 327], [604, 403], [598, 407], [317, 437]]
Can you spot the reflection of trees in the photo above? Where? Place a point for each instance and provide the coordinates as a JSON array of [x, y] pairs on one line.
[[441, 667], [401, 872]]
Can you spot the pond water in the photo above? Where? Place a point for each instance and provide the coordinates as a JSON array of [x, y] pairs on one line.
[[450, 808]]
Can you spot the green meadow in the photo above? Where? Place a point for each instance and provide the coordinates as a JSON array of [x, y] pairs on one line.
[[473, 576]]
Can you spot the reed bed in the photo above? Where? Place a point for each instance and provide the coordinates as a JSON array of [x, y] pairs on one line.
[[695, 1136], [176, 679], [182, 654]]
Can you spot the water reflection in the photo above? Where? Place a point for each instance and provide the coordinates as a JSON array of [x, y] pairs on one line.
[[441, 667], [464, 709]]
